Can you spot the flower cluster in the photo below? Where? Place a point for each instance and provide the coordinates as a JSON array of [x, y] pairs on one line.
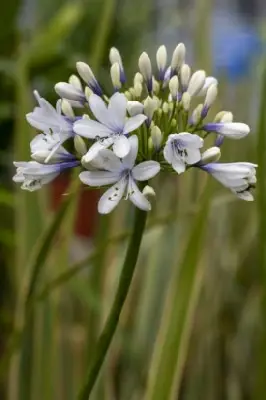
[[138, 131]]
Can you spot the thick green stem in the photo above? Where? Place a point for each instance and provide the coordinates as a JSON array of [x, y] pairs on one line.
[[121, 294]]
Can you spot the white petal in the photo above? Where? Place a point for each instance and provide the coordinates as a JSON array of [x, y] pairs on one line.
[[168, 153], [91, 129], [130, 159], [178, 165], [117, 109], [98, 178], [145, 170], [189, 140], [247, 196], [99, 109], [193, 156], [111, 197], [95, 148], [134, 122], [108, 160], [121, 146], [136, 197]]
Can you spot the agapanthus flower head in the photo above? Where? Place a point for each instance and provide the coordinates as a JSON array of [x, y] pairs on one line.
[[136, 131]]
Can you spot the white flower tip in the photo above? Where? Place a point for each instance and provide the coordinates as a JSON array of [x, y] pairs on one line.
[[185, 73], [67, 108], [75, 81], [145, 66], [161, 58], [115, 75], [156, 136], [148, 191], [80, 145], [196, 82], [85, 72], [186, 99], [178, 57], [211, 95], [213, 154], [134, 108], [114, 56], [173, 87]]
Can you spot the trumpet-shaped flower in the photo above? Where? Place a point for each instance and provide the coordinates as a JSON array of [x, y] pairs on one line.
[[111, 127], [232, 130], [123, 174], [239, 177], [182, 149], [33, 175]]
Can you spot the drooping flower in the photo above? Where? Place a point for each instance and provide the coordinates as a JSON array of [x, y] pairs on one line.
[[232, 130], [182, 149], [111, 127], [239, 177], [123, 174], [33, 175]]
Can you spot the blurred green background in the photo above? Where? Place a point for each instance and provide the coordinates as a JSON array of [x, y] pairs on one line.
[[194, 325]]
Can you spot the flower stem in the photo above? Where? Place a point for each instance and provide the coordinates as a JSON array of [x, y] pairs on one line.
[[107, 334]]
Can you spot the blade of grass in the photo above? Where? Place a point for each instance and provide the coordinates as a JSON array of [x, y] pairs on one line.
[[168, 352]]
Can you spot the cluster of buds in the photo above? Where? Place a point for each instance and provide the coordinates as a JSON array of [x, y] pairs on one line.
[[138, 131]]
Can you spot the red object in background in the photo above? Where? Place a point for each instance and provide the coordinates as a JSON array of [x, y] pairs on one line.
[[87, 214]]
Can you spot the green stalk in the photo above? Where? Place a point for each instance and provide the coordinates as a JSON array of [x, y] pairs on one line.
[[121, 294], [260, 384]]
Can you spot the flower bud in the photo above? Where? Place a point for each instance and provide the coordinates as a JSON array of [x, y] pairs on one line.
[[138, 78], [132, 92], [196, 115], [196, 82], [138, 89], [213, 154], [186, 99], [185, 73], [210, 96], [210, 80], [115, 76], [75, 81], [173, 87], [135, 108], [68, 91], [150, 105], [128, 95], [178, 57], [80, 145], [146, 70], [156, 136], [114, 56], [88, 92], [155, 85], [165, 107], [224, 116], [148, 191], [87, 75], [161, 59], [67, 108]]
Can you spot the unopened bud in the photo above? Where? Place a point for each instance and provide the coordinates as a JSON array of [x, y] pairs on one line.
[[156, 136], [210, 80], [186, 99], [114, 56], [173, 87], [196, 115], [211, 96], [138, 89], [196, 82], [146, 70], [68, 91], [165, 107], [148, 191], [88, 92], [178, 57], [75, 81], [128, 95], [67, 108], [80, 145], [213, 154], [150, 105], [223, 116], [155, 85], [135, 108], [88, 76], [138, 78], [161, 59], [185, 73], [115, 75]]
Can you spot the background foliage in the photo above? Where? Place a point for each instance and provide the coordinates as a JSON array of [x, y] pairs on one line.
[[194, 324]]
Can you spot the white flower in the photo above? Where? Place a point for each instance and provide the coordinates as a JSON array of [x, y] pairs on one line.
[[112, 128], [178, 58], [182, 149], [134, 108], [196, 82], [161, 59], [88, 76], [33, 175], [123, 174], [239, 177], [46, 148], [115, 57], [232, 130], [70, 92], [46, 118], [146, 70]]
